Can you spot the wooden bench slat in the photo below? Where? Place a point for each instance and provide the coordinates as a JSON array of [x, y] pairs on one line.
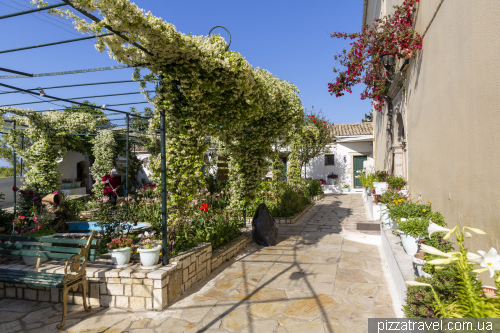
[[19, 246], [46, 240], [49, 255], [31, 278]]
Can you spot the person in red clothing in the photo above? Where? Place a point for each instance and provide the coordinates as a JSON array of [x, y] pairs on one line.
[[111, 184]]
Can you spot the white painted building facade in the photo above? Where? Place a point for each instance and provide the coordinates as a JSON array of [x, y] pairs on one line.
[[352, 151]]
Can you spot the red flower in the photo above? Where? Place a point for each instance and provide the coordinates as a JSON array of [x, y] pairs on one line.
[[22, 191], [314, 121], [30, 192], [204, 207], [14, 188], [312, 116]]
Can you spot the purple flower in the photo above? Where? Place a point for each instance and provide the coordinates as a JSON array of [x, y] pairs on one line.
[[35, 198], [55, 192]]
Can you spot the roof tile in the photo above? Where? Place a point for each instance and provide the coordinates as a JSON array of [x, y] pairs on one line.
[[352, 129]]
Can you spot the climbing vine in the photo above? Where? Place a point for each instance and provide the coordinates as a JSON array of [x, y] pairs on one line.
[[205, 90], [50, 134], [104, 150], [393, 35]]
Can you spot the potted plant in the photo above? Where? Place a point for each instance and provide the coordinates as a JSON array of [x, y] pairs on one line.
[[346, 188], [67, 182], [120, 249], [78, 182], [392, 196], [412, 230], [149, 250]]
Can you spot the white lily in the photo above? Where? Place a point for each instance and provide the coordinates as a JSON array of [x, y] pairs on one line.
[[442, 261], [433, 250], [433, 227], [491, 261], [474, 258], [415, 283], [477, 231]]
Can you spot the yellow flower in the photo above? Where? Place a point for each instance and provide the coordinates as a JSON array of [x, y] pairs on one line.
[[429, 201], [400, 200], [424, 210], [396, 203]]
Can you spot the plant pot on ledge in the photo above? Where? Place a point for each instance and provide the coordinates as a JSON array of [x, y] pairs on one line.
[[120, 257], [149, 257], [418, 263]]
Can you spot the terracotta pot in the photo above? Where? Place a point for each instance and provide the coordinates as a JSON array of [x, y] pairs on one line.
[[53, 199]]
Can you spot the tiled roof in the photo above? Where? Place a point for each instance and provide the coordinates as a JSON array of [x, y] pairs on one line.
[[352, 129]]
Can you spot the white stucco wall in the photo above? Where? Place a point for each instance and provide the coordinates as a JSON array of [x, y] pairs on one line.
[[67, 167], [318, 170], [6, 184]]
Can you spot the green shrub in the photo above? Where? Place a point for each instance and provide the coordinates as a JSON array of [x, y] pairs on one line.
[[396, 182], [408, 210], [390, 196], [314, 188], [415, 227], [419, 300]]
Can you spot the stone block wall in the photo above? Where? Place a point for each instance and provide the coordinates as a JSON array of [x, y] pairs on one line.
[[130, 287]]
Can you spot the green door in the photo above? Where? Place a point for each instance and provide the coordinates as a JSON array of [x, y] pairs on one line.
[[358, 165]]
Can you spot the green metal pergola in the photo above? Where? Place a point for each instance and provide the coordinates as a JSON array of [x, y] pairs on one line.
[[128, 115]]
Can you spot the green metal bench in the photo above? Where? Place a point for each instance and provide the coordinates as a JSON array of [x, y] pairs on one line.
[[74, 269]]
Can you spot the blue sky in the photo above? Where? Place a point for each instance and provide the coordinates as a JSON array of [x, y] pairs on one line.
[[288, 38]]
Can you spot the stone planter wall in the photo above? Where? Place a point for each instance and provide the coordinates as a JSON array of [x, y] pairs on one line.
[[130, 287]]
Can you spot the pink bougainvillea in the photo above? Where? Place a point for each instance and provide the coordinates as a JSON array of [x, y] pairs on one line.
[[393, 35]]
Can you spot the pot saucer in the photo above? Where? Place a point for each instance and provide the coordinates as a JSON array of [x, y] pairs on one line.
[[151, 267]]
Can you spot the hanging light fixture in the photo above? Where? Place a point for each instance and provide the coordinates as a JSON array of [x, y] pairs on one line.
[[42, 93], [387, 60]]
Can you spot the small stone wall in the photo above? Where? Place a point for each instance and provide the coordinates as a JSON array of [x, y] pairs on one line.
[[130, 287]]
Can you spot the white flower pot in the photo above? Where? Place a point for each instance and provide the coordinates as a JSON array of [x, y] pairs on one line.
[[29, 260], [380, 187], [384, 214], [346, 189], [149, 257], [120, 256], [419, 264], [409, 244]]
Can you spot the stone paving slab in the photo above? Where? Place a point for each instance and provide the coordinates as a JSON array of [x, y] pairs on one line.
[[313, 280]]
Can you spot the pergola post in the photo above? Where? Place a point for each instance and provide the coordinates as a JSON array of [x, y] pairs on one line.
[[22, 148], [163, 184], [15, 172], [125, 192]]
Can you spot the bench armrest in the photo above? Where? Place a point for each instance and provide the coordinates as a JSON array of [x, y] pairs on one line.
[[77, 266]]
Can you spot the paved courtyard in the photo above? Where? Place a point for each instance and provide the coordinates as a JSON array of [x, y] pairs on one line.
[[313, 280]]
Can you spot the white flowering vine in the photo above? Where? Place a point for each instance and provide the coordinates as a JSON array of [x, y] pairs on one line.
[[49, 132]]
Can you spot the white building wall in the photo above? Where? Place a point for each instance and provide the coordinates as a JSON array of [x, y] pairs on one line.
[[344, 152], [67, 167], [6, 184]]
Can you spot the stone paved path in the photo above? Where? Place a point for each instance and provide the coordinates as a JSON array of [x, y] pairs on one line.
[[313, 280]]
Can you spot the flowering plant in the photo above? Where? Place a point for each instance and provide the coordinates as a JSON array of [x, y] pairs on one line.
[[469, 302], [392, 35], [148, 241], [66, 180], [120, 243], [194, 76], [204, 207], [104, 150], [48, 132]]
